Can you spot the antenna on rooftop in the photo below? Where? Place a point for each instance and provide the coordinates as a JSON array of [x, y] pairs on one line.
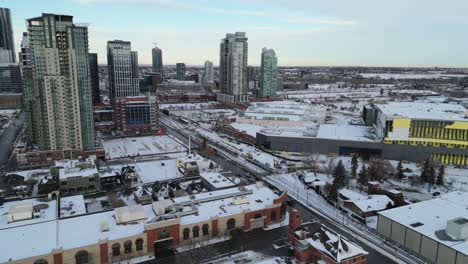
[[155, 44]]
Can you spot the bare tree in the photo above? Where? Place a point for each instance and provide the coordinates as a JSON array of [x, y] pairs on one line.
[[310, 161], [331, 158]]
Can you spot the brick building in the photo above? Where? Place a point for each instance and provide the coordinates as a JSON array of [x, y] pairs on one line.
[[141, 230], [316, 242], [136, 115]]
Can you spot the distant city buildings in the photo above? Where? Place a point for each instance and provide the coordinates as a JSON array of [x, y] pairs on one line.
[[180, 71], [57, 85], [123, 69], [7, 46], [268, 73], [233, 68], [157, 61], [94, 74], [208, 76]]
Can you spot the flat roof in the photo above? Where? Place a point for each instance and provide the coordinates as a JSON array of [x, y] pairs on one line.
[[344, 132], [431, 216], [217, 180], [21, 242], [424, 111], [141, 146], [47, 214]]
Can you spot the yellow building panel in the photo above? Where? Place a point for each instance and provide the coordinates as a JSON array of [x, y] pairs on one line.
[[458, 125], [401, 123]]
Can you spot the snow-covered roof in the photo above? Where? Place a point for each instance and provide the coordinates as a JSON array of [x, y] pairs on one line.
[[367, 203], [76, 168], [21, 242], [250, 129], [217, 180], [431, 216], [47, 212], [141, 146], [424, 111], [345, 132], [284, 110], [332, 244], [72, 206]]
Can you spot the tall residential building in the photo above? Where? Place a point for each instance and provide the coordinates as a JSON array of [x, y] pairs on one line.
[[268, 73], [233, 68], [208, 76], [57, 90], [123, 69], [7, 46], [94, 74], [180, 71], [157, 60]]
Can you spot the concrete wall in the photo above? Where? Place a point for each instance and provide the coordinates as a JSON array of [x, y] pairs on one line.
[[327, 146], [418, 243]]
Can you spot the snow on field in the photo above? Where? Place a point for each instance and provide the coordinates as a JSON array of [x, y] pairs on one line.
[[140, 146], [403, 76]]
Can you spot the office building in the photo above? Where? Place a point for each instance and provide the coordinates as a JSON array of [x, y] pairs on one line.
[[123, 69], [233, 81], [94, 74], [7, 46], [208, 76], [157, 61], [180, 71], [10, 78], [136, 115], [57, 92], [268, 73]]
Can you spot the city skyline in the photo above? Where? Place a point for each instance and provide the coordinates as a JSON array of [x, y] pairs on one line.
[[323, 33]]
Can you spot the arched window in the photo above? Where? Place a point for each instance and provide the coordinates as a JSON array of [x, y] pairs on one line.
[[196, 231], [81, 257], [205, 229], [258, 216], [273, 215], [128, 247], [41, 261], [186, 234], [231, 224], [116, 250], [139, 244]]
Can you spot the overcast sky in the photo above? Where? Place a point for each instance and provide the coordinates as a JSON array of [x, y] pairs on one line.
[[302, 32]]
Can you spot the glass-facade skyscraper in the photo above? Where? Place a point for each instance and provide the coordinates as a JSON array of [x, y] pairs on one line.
[[123, 69], [233, 81], [157, 61], [7, 46], [180, 71], [94, 75], [58, 100], [268, 73]]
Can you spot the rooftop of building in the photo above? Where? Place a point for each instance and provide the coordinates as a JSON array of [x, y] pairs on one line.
[[430, 217], [217, 180], [76, 168], [21, 241], [366, 203], [329, 242], [424, 111]]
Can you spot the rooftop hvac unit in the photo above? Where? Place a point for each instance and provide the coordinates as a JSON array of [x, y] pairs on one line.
[[457, 228]]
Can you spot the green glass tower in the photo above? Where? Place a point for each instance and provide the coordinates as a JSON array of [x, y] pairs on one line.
[[269, 73]]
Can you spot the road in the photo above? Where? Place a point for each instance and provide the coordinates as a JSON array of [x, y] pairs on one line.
[[7, 138], [238, 168]]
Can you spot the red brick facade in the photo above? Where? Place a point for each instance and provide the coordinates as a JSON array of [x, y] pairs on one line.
[[153, 235], [58, 258], [214, 228], [103, 249]]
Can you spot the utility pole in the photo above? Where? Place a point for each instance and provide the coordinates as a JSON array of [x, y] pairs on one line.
[[190, 137]]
